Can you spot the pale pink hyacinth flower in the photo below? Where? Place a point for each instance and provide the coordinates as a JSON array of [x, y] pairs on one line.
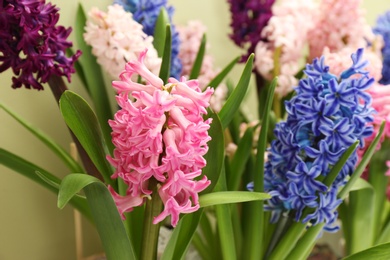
[[190, 39], [286, 34], [116, 38], [160, 135], [339, 24], [340, 61]]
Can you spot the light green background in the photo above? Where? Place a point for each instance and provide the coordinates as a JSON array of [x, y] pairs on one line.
[[31, 226]]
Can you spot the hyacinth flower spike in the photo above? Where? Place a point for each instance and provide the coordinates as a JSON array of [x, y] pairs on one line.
[[160, 139], [34, 47], [328, 114]]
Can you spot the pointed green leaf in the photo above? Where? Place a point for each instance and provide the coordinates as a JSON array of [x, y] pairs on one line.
[[363, 164], [94, 79], [111, 230], [165, 68], [43, 178], [339, 165], [182, 235], [224, 223], [361, 207], [380, 252], [82, 121], [159, 36], [378, 180], [219, 78], [49, 142], [234, 101], [197, 66], [252, 249], [226, 197], [215, 155]]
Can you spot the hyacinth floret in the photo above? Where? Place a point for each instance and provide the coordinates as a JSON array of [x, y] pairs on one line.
[[382, 28], [159, 132], [32, 43], [146, 13], [326, 116]]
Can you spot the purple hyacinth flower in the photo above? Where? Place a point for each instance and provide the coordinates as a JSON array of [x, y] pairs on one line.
[[248, 18], [32, 43]]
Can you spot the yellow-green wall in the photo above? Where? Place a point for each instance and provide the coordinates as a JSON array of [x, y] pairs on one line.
[[31, 226]]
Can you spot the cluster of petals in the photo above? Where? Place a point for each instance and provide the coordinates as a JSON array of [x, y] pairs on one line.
[[159, 133], [191, 37], [32, 43], [339, 23], [283, 44], [380, 94], [382, 28], [339, 61], [247, 25], [116, 38], [146, 13], [325, 117]]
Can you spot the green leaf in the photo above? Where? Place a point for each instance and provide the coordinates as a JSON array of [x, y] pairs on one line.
[[94, 79], [237, 165], [360, 209], [305, 245], [219, 78], [215, 155], [226, 197], [378, 179], [255, 235], [49, 142], [82, 121], [363, 163], [43, 178], [205, 252], [234, 101], [380, 252], [384, 236], [208, 236], [288, 241], [165, 68], [111, 230], [361, 184], [159, 37], [339, 165], [196, 67], [224, 223], [182, 235]]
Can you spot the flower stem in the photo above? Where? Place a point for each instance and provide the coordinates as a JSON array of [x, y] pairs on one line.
[[151, 231], [57, 86], [276, 73]]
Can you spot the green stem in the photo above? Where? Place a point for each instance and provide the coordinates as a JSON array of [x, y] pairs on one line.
[[283, 223], [306, 243], [276, 107], [288, 241], [151, 231], [276, 72]]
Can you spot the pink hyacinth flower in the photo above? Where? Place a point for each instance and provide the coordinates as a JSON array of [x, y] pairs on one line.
[[159, 133]]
